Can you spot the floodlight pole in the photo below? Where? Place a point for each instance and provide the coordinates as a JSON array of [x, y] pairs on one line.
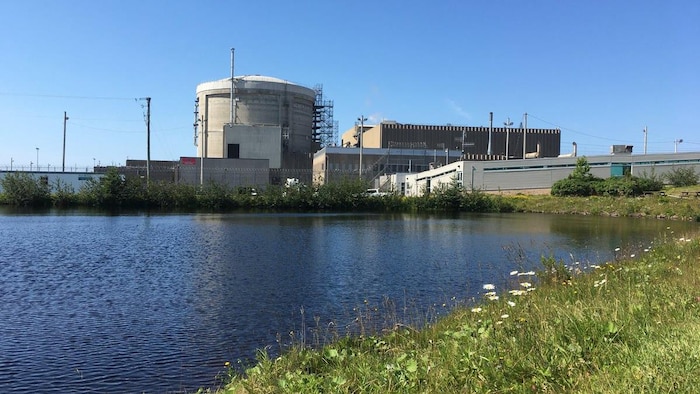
[[507, 124], [675, 145]]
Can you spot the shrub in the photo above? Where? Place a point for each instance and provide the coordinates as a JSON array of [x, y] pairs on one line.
[[448, 198], [627, 186], [573, 187], [107, 191], [22, 189], [650, 183], [63, 195], [682, 176], [582, 183], [579, 183]]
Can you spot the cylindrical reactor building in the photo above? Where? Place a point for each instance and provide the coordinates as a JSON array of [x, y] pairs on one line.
[[272, 119]]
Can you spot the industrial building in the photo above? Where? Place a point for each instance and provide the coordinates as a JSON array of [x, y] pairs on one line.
[[480, 142], [523, 175], [259, 117], [335, 163], [391, 147], [70, 180], [196, 171]]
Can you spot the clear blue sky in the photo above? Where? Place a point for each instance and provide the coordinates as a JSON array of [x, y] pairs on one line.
[[599, 70]]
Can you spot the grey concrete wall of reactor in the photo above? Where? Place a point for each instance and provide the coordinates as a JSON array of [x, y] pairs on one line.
[[261, 104]]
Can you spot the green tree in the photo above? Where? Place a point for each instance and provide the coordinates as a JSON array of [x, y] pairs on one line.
[[107, 192], [582, 169], [22, 189], [579, 183], [682, 176]]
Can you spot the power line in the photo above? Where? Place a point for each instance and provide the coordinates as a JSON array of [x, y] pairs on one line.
[[103, 129], [575, 131], [65, 97]]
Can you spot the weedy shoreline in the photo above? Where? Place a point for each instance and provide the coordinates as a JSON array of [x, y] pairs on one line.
[[628, 326]]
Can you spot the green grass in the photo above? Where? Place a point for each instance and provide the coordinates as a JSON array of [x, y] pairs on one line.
[[671, 206], [632, 326]]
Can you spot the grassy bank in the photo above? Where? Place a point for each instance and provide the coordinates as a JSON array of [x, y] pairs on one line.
[[671, 206], [632, 326]]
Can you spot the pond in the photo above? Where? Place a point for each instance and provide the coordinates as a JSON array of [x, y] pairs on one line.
[[158, 303]]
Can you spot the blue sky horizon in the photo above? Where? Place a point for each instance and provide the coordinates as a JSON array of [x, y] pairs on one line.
[[599, 71]]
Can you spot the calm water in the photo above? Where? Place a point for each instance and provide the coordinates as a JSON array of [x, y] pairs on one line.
[[92, 303]]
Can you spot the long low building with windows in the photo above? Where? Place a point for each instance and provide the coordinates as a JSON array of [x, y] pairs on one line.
[[530, 174], [373, 151]]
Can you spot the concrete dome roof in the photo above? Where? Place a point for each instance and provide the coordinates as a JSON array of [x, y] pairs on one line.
[[255, 82]]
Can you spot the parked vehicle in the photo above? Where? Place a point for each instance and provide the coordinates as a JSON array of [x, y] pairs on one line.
[[376, 193]]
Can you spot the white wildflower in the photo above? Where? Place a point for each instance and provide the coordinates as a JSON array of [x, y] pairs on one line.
[[489, 286]]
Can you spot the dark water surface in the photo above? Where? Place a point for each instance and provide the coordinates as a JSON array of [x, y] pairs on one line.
[[138, 303]]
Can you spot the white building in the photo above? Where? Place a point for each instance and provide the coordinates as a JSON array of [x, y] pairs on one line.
[[74, 180], [532, 174]]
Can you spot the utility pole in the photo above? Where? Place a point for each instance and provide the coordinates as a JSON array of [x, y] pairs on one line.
[[232, 96], [203, 141], [65, 118], [645, 139], [148, 141], [525, 136], [362, 131]]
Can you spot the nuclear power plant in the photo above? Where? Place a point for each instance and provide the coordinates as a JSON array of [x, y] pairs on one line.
[[261, 117], [252, 131]]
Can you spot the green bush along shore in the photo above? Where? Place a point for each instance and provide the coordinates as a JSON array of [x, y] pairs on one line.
[[114, 192], [628, 327]]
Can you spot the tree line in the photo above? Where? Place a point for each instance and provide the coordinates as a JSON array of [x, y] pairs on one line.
[[114, 191]]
